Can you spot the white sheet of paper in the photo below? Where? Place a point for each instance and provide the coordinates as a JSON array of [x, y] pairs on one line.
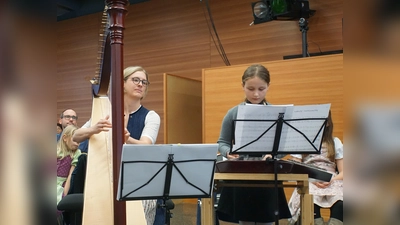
[[247, 131], [291, 140]]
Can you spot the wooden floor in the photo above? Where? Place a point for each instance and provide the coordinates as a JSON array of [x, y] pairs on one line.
[[185, 212]]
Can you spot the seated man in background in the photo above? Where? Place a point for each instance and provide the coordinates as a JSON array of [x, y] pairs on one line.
[[69, 117]]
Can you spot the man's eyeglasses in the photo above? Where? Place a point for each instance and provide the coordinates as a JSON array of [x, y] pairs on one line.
[[68, 117], [137, 80]]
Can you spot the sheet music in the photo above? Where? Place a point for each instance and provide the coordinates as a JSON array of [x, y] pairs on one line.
[[247, 131], [143, 170], [294, 141], [291, 140]]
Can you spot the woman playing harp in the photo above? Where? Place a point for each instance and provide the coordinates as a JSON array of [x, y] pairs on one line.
[[141, 126]]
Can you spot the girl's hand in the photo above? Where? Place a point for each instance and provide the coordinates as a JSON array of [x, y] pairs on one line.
[[322, 184], [232, 157], [267, 156]]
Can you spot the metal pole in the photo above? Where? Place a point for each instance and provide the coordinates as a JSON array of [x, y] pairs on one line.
[[304, 28]]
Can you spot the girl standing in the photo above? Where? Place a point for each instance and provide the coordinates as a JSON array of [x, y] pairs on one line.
[[249, 205]]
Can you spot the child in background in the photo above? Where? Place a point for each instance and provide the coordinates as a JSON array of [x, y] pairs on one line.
[[326, 194], [67, 157]]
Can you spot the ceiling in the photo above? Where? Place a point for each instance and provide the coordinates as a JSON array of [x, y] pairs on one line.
[[68, 9]]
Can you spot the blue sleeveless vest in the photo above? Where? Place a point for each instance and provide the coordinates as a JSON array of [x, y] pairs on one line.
[[136, 122]]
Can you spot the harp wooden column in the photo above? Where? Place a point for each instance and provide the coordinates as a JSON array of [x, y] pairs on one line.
[[104, 157], [117, 10]]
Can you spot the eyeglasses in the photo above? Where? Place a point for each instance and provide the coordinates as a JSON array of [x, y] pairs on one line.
[[68, 117], [137, 80]]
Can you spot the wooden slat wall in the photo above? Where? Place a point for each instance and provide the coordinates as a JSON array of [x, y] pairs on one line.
[[274, 39], [304, 81], [77, 46], [173, 37]]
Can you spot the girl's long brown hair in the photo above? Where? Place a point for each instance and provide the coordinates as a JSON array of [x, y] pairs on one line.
[[327, 138]]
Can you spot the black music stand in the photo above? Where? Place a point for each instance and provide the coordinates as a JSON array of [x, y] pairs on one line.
[[166, 172], [300, 133]]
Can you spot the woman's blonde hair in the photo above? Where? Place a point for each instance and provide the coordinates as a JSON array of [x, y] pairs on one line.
[[133, 69], [62, 147]]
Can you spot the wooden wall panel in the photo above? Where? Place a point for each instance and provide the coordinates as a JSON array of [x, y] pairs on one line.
[[305, 81], [275, 39], [77, 44], [173, 37], [182, 107]]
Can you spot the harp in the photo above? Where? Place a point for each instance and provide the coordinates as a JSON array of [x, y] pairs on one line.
[[104, 156]]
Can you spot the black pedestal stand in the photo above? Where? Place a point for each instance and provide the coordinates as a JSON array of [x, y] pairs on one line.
[[278, 132], [168, 205], [303, 24]]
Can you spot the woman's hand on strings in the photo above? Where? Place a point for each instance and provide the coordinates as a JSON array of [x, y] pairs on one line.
[[102, 125], [126, 135], [84, 133]]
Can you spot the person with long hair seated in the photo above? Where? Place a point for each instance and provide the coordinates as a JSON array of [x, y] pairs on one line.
[[326, 194], [67, 158]]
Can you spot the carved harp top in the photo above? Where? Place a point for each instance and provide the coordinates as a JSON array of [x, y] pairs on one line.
[[112, 26], [101, 81]]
